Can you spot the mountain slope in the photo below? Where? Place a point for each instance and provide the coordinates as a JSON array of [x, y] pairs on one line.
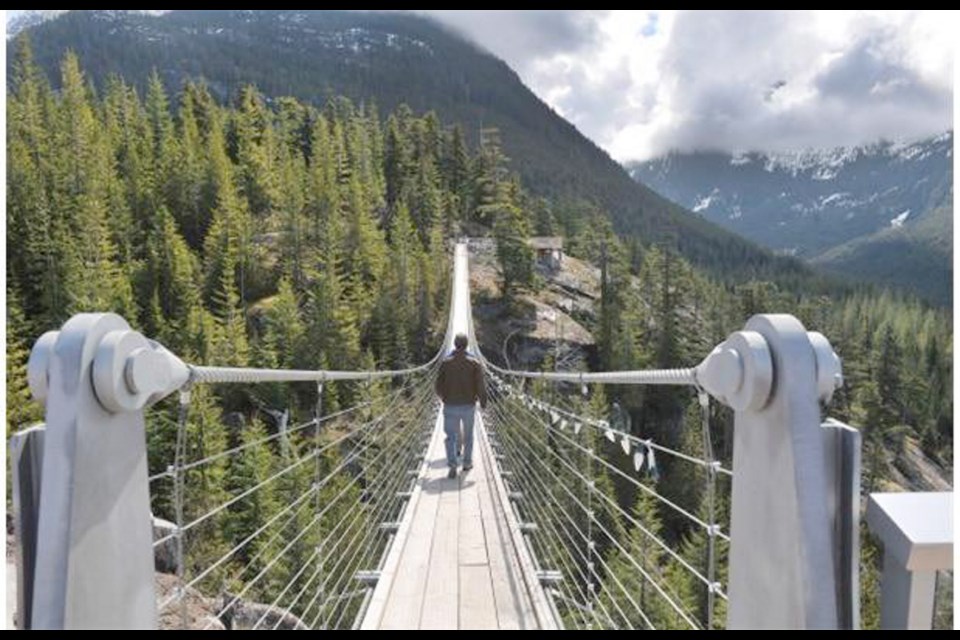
[[391, 58], [29, 18], [836, 208], [917, 257]]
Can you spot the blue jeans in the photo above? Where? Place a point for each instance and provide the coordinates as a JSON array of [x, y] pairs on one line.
[[452, 415]]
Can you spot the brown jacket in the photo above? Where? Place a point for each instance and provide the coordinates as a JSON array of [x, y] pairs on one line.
[[460, 380]]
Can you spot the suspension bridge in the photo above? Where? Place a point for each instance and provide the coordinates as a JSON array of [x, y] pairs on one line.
[[373, 535]]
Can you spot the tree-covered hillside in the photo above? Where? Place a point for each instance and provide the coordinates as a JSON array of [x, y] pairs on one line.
[[393, 59], [916, 258], [250, 234], [263, 234]]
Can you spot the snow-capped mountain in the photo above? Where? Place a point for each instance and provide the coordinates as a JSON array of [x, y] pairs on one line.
[[808, 202]]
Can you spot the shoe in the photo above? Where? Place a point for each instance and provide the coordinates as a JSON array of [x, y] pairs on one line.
[[467, 467], [452, 473]]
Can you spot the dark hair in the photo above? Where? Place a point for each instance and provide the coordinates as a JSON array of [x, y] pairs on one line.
[[460, 341]]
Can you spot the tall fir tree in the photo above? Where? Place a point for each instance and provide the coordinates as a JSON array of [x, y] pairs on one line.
[[22, 409]]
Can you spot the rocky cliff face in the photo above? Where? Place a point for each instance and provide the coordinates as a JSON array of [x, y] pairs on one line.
[[551, 320]]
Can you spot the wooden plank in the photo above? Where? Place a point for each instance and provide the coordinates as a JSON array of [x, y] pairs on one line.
[[405, 601], [469, 496], [457, 566], [513, 607], [477, 608], [378, 602], [473, 545], [442, 590], [514, 546], [406, 598]]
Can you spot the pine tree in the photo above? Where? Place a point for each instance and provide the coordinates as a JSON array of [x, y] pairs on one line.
[[426, 200], [255, 150], [692, 593], [513, 249], [161, 129], [22, 409], [887, 375], [393, 321], [323, 191], [285, 332], [228, 345], [204, 489], [396, 161], [187, 182], [627, 587], [293, 205], [457, 173], [544, 224], [94, 280], [35, 225], [666, 281], [132, 200], [252, 466], [300, 529], [489, 189], [171, 272], [363, 244], [332, 329]]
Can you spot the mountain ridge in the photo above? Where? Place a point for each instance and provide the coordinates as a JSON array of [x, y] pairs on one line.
[[812, 203]]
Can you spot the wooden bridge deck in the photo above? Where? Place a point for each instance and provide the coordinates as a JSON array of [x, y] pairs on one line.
[[453, 565]]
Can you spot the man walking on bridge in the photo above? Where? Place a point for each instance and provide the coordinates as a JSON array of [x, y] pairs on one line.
[[460, 385]]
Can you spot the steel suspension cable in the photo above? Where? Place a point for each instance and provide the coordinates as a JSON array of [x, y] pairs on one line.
[[526, 474], [622, 512], [316, 486], [603, 530], [669, 503], [384, 508]]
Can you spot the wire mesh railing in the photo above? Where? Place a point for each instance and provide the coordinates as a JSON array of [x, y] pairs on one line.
[[286, 526], [570, 473]]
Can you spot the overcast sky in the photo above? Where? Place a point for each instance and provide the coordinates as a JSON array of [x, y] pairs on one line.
[[642, 82]]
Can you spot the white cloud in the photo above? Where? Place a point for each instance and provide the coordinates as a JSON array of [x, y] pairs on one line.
[[640, 83]]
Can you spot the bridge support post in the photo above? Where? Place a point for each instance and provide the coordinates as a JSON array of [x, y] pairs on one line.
[[790, 548], [26, 459], [94, 558]]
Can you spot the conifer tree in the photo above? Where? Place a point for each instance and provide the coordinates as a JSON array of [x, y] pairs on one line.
[[251, 467], [628, 587], [513, 250], [253, 138], [457, 172], [204, 488], [22, 409], [300, 529], [188, 181], [36, 228], [94, 280]]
